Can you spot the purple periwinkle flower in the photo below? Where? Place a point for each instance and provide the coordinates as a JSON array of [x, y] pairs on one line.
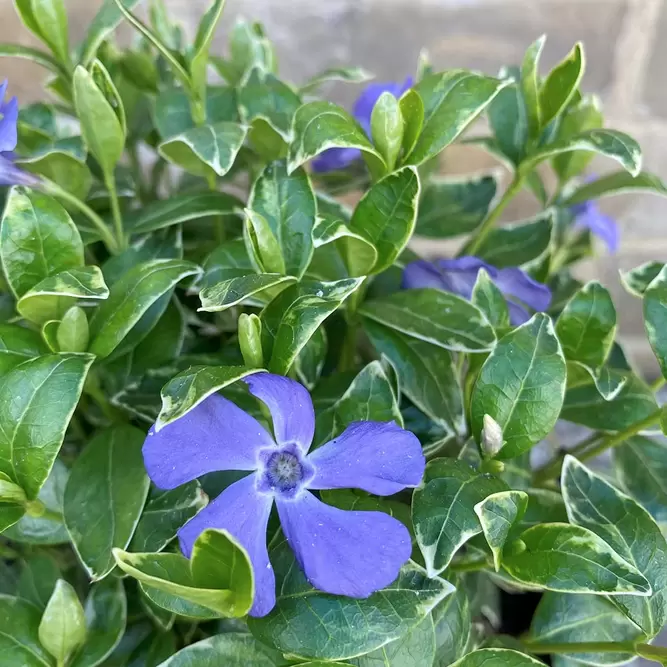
[[341, 552], [588, 215], [459, 276], [339, 158], [10, 174]]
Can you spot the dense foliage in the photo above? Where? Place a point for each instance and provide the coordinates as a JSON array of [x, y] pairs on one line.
[[165, 241]]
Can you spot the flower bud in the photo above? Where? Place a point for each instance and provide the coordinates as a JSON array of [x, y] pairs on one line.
[[492, 437], [10, 492], [250, 340]]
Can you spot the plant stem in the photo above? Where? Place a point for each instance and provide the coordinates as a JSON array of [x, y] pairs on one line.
[[658, 384], [100, 225], [471, 566], [110, 182], [491, 219]]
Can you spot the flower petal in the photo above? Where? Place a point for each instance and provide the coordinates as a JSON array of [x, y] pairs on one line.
[[363, 107], [8, 124], [10, 174], [290, 406], [517, 283], [216, 435], [460, 274], [421, 273], [244, 512], [378, 457], [603, 226], [518, 314], [344, 552], [335, 158]]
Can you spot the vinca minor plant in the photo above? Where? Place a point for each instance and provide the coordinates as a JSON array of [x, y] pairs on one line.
[[243, 423]]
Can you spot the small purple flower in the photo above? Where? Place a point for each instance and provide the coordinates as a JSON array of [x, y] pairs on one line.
[[10, 174], [341, 552], [460, 275], [339, 158], [589, 216]]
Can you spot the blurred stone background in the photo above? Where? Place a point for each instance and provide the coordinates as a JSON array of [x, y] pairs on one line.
[[626, 52]]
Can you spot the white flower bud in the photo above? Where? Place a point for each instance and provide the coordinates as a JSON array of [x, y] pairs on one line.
[[492, 437]]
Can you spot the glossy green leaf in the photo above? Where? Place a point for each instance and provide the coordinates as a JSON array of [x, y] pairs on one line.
[[198, 61], [207, 150], [521, 386], [530, 84], [287, 202], [452, 621], [249, 48], [262, 244], [68, 171], [454, 206], [491, 301], [37, 56], [587, 325], [37, 239], [630, 530], [443, 512], [412, 111], [228, 260], [47, 19], [106, 615], [497, 657], [637, 280], [509, 122], [616, 183], [37, 399], [63, 627], [17, 345], [236, 290], [131, 297], [389, 613], [452, 100], [655, 317], [219, 575], [386, 215], [571, 559], [165, 512], [499, 514], [344, 74], [39, 575], [104, 497], [387, 128], [426, 374], [19, 641], [189, 388], [561, 84], [52, 297], [73, 332], [433, 316], [320, 125]]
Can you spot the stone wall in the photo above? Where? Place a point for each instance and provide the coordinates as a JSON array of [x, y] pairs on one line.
[[626, 51]]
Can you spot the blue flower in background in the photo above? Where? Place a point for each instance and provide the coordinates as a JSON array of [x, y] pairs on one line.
[[459, 276], [341, 552], [339, 158], [588, 215], [10, 174]]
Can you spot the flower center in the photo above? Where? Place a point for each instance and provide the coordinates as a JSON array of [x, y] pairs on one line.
[[284, 471]]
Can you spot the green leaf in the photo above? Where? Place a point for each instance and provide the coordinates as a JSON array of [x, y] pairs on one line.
[[232, 649], [453, 626], [68, 171], [344, 74], [17, 345], [320, 125], [19, 640], [249, 48], [587, 325], [34, 55], [641, 469], [561, 84], [521, 386], [180, 209], [52, 297], [530, 84], [655, 317], [452, 100], [387, 128], [287, 202], [617, 183], [571, 559], [610, 143], [386, 215], [207, 150], [509, 121], [310, 362], [262, 244], [39, 575], [37, 239], [188, 389], [47, 19], [73, 333], [231, 292], [37, 399], [388, 614], [63, 627], [497, 657], [584, 405], [627, 528], [101, 127], [426, 373], [131, 297], [165, 512], [442, 509], [198, 61], [453, 206], [219, 576], [104, 497], [565, 618], [519, 243], [370, 397], [434, 316], [637, 280], [499, 514], [228, 260], [106, 615], [490, 300], [412, 111]]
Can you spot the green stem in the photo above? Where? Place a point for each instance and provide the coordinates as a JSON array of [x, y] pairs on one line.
[[491, 219], [551, 469], [100, 225], [471, 566], [137, 172], [93, 389], [658, 384], [110, 182]]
